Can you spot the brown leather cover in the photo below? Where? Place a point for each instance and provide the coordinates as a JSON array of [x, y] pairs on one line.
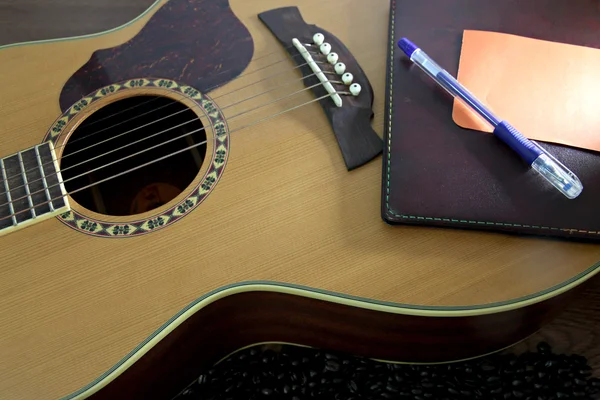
[[437, 173]]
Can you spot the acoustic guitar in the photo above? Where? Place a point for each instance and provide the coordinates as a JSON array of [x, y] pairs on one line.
[[208, 177]]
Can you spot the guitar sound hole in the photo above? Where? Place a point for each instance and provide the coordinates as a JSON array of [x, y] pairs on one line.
[[104, 145]]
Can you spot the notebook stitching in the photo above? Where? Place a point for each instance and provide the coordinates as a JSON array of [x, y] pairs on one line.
[[389, 162]]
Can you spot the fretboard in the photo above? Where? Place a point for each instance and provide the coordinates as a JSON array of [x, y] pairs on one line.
[[31, 188]]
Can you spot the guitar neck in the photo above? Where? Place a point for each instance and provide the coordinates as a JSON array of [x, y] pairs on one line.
[[31, 188]]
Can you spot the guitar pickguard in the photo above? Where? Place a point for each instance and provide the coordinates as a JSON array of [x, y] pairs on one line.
[[200, 43]]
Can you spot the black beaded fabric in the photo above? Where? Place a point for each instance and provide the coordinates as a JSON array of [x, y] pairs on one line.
[[299, 373]]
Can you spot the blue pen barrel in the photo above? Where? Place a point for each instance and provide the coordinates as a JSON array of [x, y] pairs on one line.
[[455, 89], [447, 81], [519, 143]]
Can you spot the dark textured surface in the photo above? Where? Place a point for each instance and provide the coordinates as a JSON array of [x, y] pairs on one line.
[[351, 123], [197, 42], [297, 373], [576, 330], [439, 170]]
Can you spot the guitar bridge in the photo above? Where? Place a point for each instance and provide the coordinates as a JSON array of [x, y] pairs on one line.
[[350, 116]]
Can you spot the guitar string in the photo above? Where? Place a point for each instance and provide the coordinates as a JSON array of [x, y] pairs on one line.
[[176, 101], [11, 215], [267, 66], [245, 112], [150, 123], [147, 137], [205, 91], [166, 105], [176, 113], [173, 102], [148, 149]]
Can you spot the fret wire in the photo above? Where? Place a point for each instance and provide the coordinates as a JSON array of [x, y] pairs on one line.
[[8, 196], [26, 185], [43, 175]]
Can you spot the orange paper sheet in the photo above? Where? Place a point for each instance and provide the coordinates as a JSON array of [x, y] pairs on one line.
[[548, 91]]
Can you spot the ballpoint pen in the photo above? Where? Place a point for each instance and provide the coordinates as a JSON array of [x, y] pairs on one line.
[[539, 159]]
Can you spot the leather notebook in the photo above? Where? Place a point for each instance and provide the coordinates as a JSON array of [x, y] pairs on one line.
[[436, 173]]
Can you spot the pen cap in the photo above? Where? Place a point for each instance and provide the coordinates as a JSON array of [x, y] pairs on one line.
[[407, 46], [558, 175]]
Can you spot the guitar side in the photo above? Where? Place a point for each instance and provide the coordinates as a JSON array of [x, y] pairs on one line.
[[220, 323]]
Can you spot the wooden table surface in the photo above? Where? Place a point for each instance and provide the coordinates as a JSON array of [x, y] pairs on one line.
[[576, 330]]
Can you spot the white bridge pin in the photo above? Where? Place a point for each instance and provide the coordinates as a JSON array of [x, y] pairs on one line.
[[340, 68], [325, 48], [318, 39], [355, 89], [347, 78], [332, 58]]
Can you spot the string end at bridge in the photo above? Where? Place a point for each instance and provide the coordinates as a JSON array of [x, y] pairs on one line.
[[337, 99]]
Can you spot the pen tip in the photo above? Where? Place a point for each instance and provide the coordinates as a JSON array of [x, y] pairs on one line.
[[407, 46]]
